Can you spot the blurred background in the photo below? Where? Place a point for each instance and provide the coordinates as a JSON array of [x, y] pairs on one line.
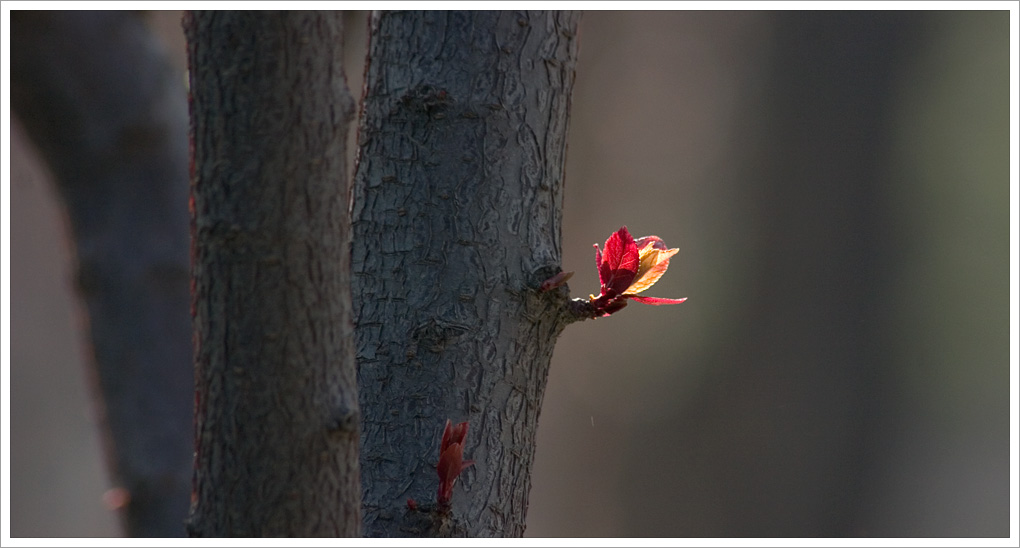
[[838, 186]]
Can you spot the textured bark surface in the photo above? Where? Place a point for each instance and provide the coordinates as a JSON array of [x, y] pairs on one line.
[[456, 219], [276, 401], [100, 100]]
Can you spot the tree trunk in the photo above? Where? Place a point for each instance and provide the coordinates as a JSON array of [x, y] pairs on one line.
[[456, 219], [276, 402], [102, 103]]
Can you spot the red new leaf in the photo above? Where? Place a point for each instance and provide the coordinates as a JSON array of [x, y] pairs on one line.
[[627, 268], [655, 300], [618, 265], [451, 460]]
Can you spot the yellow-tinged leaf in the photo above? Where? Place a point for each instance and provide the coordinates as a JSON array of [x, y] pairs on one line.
[[653, 264]]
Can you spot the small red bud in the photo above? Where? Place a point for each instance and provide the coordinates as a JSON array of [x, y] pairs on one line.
[[451, 460], [556, 281]]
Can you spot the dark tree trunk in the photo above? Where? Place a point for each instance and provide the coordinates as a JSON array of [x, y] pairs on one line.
[[276, 402], [102, 103], [456, 219]]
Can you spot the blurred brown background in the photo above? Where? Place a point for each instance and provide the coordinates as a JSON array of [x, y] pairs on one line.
[[838, 186]]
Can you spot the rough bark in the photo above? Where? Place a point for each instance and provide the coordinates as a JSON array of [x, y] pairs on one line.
[[100, 100], [276, 401], [456, 219]]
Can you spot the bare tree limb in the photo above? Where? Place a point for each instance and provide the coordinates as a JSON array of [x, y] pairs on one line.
[[456, 217], [277, 408], [101, 102]]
